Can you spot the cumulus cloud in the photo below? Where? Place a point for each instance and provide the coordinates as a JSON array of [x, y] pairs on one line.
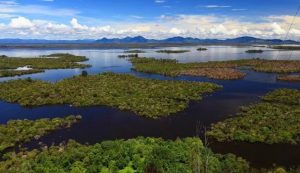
[[200, 26], [20, 23]]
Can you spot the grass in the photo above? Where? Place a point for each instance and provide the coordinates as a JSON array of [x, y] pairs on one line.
[[39, 64], [16, 132], [145, 97], [172, 51], [213, 69], [254, 51], [291, 78], [125, 156], [275, 120]]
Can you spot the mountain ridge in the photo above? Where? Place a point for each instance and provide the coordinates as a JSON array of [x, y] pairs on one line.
[[141, 39]]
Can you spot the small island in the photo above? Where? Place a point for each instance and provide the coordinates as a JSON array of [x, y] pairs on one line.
[[129, 56], [202, 49], [226, 70], [145, 97], [16, 132], [172, 51], [274, 120], [134, 51], [16, 66], [289, 78], [254, 51]]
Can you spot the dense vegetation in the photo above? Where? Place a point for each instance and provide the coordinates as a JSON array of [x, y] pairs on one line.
[[11, 73], [150, 98], [8, 65], [275, 120], [172, 51], [215, 73], [212, 69], [254, 51], [202, 49], [135, 155], [289, 77], [134, 51], [19, 131]]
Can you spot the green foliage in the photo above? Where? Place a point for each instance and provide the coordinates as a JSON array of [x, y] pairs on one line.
[[254, 51], [276, 120], [53, 61], [134, 155], [173, 68], [18, 131], [11, 73], [172, 51], [150, 98], [84, 73]]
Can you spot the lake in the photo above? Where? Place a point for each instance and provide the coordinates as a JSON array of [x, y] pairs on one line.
[[105, 123]]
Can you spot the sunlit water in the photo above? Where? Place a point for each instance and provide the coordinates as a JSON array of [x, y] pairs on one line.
[[104, 123]]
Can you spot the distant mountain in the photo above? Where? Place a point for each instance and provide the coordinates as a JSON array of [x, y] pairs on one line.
[[140, 39]]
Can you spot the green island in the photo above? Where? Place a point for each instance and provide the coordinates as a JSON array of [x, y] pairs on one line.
[[254, 51], [129, 56], [16, 132], [292, 77], [275, 120], [125, 156], [134, 51], [12, 73], [145, 97], [9, 65], [202, 49], [212, 69], [172, 51]]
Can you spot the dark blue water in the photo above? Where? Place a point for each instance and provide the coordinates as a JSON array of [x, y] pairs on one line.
[[105, 123]]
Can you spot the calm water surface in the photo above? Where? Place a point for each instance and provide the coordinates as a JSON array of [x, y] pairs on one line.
[[104, 123]]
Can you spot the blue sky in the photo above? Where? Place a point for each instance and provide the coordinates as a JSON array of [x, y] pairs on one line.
[[79, 19]]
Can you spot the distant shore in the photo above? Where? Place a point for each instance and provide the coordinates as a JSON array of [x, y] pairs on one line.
[[104, 45]]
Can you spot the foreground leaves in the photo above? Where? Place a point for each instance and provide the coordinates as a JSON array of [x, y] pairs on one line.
[[150, 98], [134, 155]]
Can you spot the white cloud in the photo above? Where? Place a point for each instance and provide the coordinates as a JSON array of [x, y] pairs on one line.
[[159, 1], [175, 31], [20, 23], [76, 25], [277, 29], [217, 6], [200, 26]]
